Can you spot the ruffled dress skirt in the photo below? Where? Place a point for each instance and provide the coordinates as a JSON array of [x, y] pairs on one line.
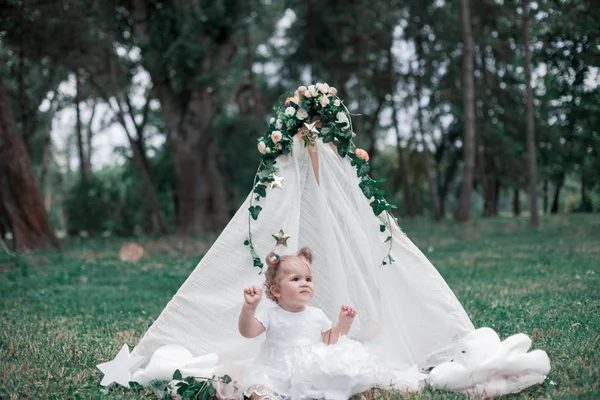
[[312, 371]]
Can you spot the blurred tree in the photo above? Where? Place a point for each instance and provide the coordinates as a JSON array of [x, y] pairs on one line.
[[468, 141], [20, 204]]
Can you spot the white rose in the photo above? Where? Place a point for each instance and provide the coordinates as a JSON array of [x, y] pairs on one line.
[[268, 150], [272, 120], [302, 114], [332, 91], [262, 147], [276, 136], [312, 90], [343, 118], [308, 94], [278, 124], [290, 111], [336, 102], [323, 87], [324, 100]]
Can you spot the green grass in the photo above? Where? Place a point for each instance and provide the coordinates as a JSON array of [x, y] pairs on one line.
[[63, 313]]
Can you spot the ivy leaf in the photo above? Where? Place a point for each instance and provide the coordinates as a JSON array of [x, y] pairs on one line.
[[264, 174], [257, 263], [254, 211], [190, 380], [382, 228], [328, 134], [135, 386], [362, 170], [226, 379], [246, 242], [388, 239], [261, 190], [177, 375]]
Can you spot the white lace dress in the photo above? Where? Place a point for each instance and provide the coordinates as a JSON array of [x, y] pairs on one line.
[[295, 363]]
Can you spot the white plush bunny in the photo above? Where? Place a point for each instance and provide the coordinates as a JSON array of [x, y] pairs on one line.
[[485, 365], [171, 357]]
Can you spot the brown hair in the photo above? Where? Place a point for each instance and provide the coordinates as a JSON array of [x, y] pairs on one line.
[[274, 264]]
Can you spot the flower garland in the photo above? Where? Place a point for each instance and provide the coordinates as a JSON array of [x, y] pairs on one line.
[[301, 111]]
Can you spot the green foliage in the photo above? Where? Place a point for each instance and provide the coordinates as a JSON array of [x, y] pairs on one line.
[[113, 200], [91, 205]]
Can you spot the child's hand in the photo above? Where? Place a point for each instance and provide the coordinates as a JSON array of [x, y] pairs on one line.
[[252, 295], [347, 315]]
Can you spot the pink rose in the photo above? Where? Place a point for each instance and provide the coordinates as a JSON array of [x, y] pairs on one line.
[[276, 136], [296, 98], [226, 391], [332, 91], [302, 89], [262, 148], [360, 153], [324, 101]]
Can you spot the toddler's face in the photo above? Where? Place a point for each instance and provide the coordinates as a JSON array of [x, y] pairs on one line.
[[295, 287]]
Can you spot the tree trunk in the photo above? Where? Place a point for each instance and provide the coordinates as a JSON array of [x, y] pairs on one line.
[[19, 196], [545, 192], [464, 203], [140, 158], [202, 205], [83, 164], [406, 188], [531, 148], [556, 197], [583, 193], [433, 196], [516, 203], [373, 125]]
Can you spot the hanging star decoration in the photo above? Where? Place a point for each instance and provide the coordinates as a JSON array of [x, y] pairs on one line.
[[276, 182], [311, 134], [119, 370], [281, 238]]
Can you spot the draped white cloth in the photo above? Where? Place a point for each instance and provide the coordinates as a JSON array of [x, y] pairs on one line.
[[407, 312]]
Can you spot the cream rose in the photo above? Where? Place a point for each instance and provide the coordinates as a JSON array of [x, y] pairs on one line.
[[290, 111], [332, 91], [262, 147], [276, 136], [323, 87], [337, 102], [302, 89], [360, 153], [278, 124], [324, 100], [302, 114]]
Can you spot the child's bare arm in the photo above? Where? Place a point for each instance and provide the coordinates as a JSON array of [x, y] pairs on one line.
[[249, 326], [343, 326]]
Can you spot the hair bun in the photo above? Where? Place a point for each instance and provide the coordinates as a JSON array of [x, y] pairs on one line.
[[273, 259], [306, 253]]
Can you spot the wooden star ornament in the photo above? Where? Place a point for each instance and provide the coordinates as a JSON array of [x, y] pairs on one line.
[[311, 134], [281, 238], [119, 370], [276, 182]]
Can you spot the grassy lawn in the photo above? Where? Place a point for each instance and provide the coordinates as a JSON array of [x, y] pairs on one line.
[[62, 313]]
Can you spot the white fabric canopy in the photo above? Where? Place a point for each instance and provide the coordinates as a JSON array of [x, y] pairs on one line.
[[407, 312]]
